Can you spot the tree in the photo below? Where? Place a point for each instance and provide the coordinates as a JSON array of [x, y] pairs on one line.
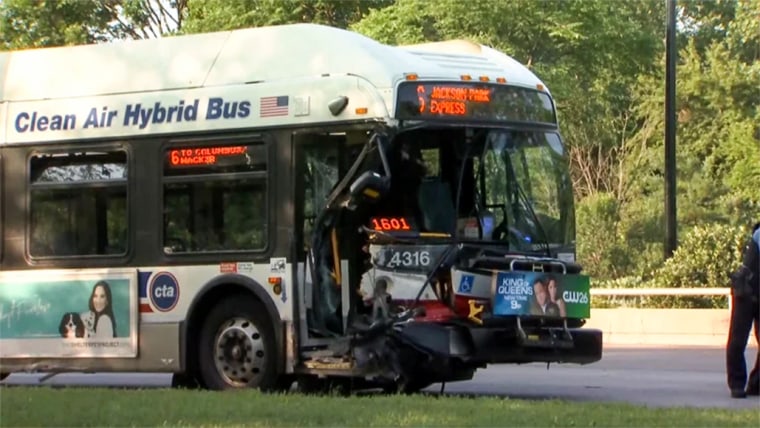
[[589, 52], [217, 15], [27, 23], [34, 24], [718, 133], [144, 19], [718, 139]]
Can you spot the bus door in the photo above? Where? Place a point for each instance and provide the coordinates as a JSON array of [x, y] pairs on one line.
[[327, 255]]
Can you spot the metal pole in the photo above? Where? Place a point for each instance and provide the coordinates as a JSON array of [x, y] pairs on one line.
[[670, 133]]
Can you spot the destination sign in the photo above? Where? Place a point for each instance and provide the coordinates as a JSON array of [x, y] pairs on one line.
[[215, 158], [203, 155], [473, 100]]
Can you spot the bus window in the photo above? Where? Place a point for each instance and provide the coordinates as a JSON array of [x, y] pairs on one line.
[[320, 176], [78, 204], [215, 198]]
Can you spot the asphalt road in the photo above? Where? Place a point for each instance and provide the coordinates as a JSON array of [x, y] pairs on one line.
[[658, 377]]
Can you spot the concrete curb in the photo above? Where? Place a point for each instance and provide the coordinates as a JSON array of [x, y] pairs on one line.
[[663, 327]]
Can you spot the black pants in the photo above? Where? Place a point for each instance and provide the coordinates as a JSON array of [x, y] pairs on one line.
[[744, 311]]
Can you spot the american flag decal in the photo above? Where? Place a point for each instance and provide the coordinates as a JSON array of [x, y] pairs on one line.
[[273, 106]]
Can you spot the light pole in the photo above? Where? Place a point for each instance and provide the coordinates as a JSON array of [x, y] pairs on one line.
[[670, 132]]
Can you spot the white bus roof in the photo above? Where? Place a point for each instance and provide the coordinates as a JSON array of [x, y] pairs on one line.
[[260, 77], [264, 54]]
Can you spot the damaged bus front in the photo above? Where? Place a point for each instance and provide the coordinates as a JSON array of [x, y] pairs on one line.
[[460, 231]]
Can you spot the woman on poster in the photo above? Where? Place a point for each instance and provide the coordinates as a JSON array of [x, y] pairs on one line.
[[99, 320]]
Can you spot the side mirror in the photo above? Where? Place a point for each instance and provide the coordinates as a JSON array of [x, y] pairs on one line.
[[370, 186]]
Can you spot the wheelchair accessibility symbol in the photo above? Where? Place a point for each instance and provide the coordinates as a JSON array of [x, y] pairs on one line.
[[465, 284]]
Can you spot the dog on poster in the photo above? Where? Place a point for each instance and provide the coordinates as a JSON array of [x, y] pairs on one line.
[[71, 326]]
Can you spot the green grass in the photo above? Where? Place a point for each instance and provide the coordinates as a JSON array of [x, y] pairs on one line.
[[40, 406]]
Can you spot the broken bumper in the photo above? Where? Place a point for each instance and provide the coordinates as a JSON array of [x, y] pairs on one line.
[[495, 345], [584, 346]]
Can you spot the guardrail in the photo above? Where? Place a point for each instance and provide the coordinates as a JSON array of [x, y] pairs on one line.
[[699, 291], [661, 291]]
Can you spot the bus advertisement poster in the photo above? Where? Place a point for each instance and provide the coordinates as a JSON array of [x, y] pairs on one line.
[[541, 294], [81, 314]]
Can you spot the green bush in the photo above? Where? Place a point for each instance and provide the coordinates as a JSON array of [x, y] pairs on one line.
[[616, 240], [704, 258], [600, 248]]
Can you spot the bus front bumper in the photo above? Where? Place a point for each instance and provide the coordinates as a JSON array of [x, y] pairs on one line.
[[499, 345]]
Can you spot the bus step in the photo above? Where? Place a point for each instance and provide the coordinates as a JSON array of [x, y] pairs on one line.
[[329, 363]]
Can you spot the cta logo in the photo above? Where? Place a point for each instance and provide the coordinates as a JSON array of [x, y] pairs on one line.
[[163, 291]]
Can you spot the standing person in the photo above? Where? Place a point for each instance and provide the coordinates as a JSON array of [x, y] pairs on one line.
[[745, 310], [99, 320]]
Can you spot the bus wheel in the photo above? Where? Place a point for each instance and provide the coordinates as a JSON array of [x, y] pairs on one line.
[[237, 346]]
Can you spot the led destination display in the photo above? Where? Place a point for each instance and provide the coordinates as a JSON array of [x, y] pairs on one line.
[[478, 101]]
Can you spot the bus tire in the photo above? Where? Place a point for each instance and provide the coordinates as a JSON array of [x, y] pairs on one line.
[[185, 381], [237, 346]]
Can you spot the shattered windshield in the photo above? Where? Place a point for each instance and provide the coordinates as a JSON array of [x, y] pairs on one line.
[[492, 185]]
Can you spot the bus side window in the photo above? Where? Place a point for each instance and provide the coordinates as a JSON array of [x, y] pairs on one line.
[[215, 198], [78, 204], [320, 176]]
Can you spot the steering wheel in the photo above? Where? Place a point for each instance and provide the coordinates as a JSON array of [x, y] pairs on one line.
[[512, 235]]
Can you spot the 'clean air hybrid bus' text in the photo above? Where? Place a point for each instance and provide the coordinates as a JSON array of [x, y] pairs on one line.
[[133, 115]]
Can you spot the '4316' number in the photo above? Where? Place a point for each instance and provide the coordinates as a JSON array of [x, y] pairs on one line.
[[409, 259]]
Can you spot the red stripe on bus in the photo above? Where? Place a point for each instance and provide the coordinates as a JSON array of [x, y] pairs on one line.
[[144, 307]]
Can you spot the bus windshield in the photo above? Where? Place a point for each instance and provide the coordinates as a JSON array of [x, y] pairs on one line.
[[497, 186]]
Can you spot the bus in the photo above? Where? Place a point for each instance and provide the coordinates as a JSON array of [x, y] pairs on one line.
[[286, 204]]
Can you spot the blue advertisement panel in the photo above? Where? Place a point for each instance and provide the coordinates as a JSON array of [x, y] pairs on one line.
[[541, 294], [68, 314]]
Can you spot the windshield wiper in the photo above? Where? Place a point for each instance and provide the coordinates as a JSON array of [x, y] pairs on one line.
[[536, 221]]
